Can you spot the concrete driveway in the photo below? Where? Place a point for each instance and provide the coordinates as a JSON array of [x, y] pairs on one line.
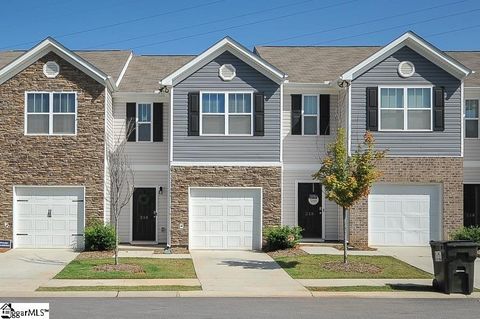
[[24, 270], [420, 257], [243, 272]]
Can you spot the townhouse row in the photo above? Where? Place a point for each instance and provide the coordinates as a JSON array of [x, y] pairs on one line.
[[225, 142]]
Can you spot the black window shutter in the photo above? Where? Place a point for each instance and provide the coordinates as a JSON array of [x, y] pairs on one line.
[[372, 109], [259, 114], [131, 121], [324, 114], [296, 114], [193, 114], [439, 109], [157, 122]]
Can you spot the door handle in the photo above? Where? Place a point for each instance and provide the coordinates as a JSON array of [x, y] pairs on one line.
[[155, 214], [49, 214]]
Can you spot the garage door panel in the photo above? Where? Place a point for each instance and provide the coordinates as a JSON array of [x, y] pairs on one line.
[[52, 217], [228, 219], [403, 214]]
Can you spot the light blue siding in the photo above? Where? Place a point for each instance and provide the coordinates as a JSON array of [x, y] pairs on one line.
[[444, 143], [226, 148]]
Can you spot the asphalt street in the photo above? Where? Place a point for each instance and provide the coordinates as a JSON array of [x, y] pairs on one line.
[[265, 308]]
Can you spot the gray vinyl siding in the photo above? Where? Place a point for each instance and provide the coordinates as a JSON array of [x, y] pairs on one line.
[[143, 153], [302, 156], [147, 179], [445, 143], [226, 148], [149, 161], [471, 153], [109, 135]]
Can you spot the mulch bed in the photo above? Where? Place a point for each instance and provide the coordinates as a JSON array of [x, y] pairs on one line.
[[355, 248], [3, 250], [95, 254], [357, 267], [291, 252], [136, 269]]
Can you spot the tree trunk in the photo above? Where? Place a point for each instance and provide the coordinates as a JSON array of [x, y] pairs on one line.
[[116, 241], [345, 231]]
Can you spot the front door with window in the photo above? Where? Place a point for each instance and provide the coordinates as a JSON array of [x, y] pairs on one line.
[[471, 205], [310, 209], [144, 214]]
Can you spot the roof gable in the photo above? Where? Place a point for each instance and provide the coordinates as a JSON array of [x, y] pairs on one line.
[[226, 44], [417, 44], [51, 45]]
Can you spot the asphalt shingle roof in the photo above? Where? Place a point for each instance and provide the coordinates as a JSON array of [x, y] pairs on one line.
[[145, 71], [471, 59]]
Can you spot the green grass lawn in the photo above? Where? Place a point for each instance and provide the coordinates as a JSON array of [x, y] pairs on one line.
[[154, 268], [121, 288], [310, 267]]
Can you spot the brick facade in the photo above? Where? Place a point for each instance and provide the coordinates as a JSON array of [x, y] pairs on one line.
[[52, 160], [447, 171], [269, 178]]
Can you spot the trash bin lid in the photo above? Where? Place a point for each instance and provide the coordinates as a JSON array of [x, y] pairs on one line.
[[461, 243]]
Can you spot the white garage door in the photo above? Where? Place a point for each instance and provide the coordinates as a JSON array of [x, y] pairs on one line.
[[225, 219], [48, 217], [401, 215]]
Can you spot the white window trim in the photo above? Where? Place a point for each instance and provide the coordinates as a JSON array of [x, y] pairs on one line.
[[138, 122], [465, 119], [50, 113], [405, 107], [226, 114], [310, 115]]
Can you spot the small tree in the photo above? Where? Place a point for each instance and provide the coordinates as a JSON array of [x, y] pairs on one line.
[[349, 178], [121, 179]]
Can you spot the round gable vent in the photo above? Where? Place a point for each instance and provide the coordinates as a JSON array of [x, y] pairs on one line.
[[227, 72], [51, 69], [406, 69]]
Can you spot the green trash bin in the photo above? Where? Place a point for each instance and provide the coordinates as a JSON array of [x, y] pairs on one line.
[[453, 265]]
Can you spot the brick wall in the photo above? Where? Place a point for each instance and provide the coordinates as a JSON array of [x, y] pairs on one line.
[[447, 171], [51, 160], [269, 178]]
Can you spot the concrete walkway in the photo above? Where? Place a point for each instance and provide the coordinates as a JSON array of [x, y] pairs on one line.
[[27, 269], [243, 273], [325, 250]]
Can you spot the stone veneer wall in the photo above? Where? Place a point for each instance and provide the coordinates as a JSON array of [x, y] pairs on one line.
[[183, 177], [51, 160], [447, 171]]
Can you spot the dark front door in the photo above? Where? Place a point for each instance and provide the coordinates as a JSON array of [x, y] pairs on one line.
[[471, 205], [144, 214], [310, 209]]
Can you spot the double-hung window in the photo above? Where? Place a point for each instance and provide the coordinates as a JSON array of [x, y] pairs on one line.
[[405, 109], [225, 113], [310, 114], [144, 122], [471, 118], [53, 113]]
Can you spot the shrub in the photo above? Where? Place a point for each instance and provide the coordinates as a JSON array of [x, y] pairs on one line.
[[282, 237], [468, 233], [99, 237]]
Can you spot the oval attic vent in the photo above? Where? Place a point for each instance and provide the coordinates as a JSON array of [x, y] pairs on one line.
[[406, 69], [51, 69], [227, 72]]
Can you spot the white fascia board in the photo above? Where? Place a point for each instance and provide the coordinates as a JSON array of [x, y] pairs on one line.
[[419, 45], [51, 45], [124, 69], [226, 44]]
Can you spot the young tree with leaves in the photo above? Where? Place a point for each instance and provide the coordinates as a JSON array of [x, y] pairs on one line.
[[349, 178]]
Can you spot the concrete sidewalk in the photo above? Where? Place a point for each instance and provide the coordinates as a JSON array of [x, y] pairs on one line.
[[244, 273]]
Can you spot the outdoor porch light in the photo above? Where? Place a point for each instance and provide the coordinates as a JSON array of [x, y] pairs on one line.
[[160, 190]]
